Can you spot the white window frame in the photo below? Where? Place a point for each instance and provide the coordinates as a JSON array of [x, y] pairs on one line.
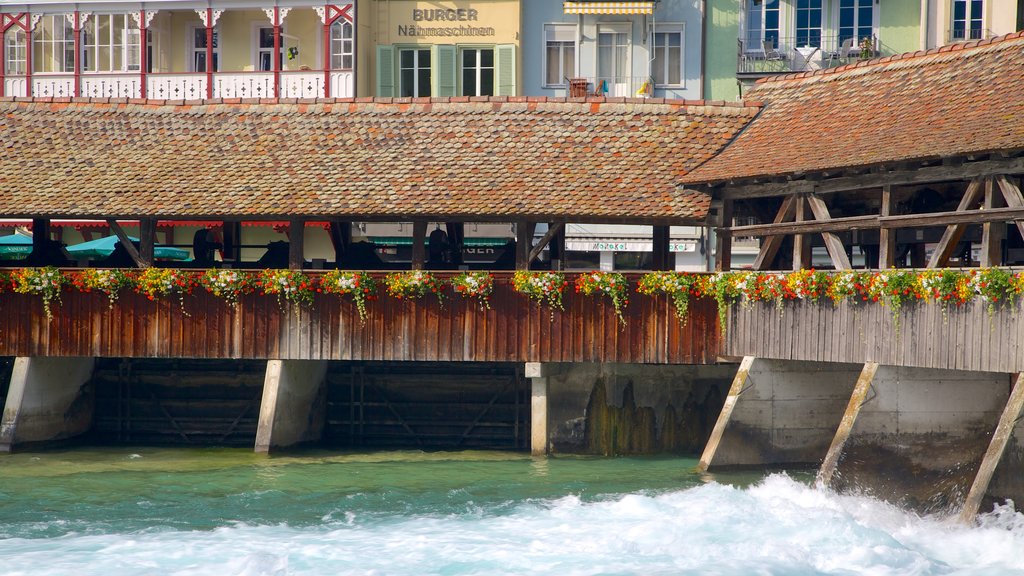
[[614, 28], [19, 51], [340, 24], [118, 38], [822, 28], [967, 21], [416, 68], [544, 58], [670, 27], [459, 69], [256, 50], [780, 32], [66, 45], [192, 49]]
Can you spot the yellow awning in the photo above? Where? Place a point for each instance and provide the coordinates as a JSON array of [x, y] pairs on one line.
[[609, 7]]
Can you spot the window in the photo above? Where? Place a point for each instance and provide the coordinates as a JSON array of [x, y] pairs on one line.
[[341, 45], [762, 24], [559, 53], [111, 43], [613, 61], [414, 72], [478, 72], [15, 50], [198, 49], [967, 19], [667, 65], [808, 23], [265, 49], [856, 20], [53, 45]]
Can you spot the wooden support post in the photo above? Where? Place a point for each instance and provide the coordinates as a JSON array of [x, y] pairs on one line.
[[662, 256], [557, 250], [836, 250], [126, 242], [992, 233], [456, 240], [419, 247], [723, 244], [726, 414], [886, 237], [1013, 198], [147, 241], [524, 243], [951, 237], [996, 447], [551, 233], [40, 236], [341, 238], [296, 244], [860, 392], [770, 245], [801, 242]]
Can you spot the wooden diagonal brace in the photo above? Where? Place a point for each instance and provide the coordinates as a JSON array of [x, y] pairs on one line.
[[1013, 197], [770, 245], [954, 232], [552, 231], [126, 242], [833, 244]]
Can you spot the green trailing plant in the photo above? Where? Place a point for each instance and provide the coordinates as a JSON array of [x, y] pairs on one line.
[[541, 287], [360, 287], [611, 284], [287, 286], [414, 285], [46, 283], [677, 285]]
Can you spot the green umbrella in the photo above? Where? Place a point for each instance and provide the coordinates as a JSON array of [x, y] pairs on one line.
[[103, 247], [15, 246]]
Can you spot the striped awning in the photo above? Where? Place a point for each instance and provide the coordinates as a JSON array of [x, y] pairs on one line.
[[609, 7]]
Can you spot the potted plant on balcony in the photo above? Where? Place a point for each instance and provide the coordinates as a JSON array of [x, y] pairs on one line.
[[867, 48]]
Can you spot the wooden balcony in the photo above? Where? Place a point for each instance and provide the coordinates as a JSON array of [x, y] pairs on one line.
[[513, 330]]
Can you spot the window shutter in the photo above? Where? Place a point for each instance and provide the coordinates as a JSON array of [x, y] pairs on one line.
[[445, 63], [506, 69], [385, 70]]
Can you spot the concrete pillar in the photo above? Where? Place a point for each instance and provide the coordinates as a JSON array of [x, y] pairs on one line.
[[996, 448], [294, 404], [47, 400], [786, 413], [538, 375]]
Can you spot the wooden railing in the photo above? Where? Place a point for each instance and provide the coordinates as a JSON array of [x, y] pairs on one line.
[[513, 330]]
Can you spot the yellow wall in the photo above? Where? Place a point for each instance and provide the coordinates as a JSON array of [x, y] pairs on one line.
[[501, 15]]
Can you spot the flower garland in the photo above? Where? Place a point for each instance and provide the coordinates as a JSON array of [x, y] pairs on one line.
[[158, 282], [230, 285], [611, 284], [287, 286], [414, 285], [109, 282], [43, 282], [478, 285], [544, 287], [359, 286], [678, 285]]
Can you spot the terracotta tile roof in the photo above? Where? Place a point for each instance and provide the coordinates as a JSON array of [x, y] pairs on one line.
[[615, 160], [956, 100]]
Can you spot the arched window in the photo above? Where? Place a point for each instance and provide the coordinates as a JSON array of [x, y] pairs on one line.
[[342, 45]]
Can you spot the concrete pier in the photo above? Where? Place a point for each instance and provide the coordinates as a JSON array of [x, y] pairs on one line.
[[48, 400], [293, 407], [538, 375]]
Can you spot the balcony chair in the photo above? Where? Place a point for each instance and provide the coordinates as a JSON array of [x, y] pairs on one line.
[[769, 50], [842, 55]]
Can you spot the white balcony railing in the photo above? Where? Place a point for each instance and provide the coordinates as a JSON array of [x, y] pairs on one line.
[[185, 86]]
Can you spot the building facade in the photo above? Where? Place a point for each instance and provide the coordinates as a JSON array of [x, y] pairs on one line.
[[751, 39], [612, 48], [179, 50], [458, 48]]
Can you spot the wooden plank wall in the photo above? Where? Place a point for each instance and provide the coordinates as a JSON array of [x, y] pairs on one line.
[[964, 338], [514, 330]]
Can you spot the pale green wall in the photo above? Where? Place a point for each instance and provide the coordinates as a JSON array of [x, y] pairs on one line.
[[899, 26], [723, 20]]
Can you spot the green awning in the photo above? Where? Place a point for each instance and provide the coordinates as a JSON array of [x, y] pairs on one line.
[[103, 247], [15, 246], [407, 241]]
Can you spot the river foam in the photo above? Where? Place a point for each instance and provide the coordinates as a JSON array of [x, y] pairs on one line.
[[774, 526]]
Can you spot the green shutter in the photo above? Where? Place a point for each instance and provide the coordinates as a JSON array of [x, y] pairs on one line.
[[444, 73], [385, 70], [506, 69]]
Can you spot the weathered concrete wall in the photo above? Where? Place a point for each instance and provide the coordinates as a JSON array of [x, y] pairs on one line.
[[294, 404], [48, 399], [921, 434], [787, 413], [633, 408], [1008, 481]]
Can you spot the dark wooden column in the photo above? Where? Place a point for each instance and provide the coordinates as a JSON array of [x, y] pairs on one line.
[[419, 248], [76, 35], [296, 238], [557, 250], [209, 52], [143, 55], [992, 233], [524, 243], [341, 238], [660, 246], [801, 242], [456, 240], [723, 252], [147, 241], [276, 61], [40, 235]]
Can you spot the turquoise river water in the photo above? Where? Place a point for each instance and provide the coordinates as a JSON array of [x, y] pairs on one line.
[[179, 511]]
